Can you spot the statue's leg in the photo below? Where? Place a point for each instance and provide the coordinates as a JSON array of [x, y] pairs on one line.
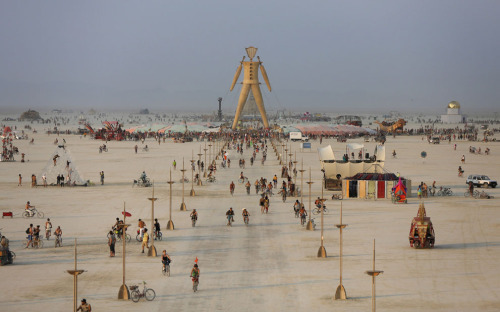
[[245, 89], [260, 104]]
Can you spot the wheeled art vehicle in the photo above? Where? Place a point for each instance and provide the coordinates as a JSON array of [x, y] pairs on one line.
[[421, 231]]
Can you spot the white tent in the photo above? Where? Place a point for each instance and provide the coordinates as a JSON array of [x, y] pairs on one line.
[[64, 165]]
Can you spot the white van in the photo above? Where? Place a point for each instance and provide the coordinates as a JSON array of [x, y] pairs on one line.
[[297, 136]]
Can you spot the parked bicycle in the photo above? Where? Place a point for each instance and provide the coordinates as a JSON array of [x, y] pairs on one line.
[[337, 196], [147, 293], [445, 191], [32, 213], [371, 195]]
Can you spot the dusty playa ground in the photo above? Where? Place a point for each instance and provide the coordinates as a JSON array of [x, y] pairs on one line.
[[270, 265]]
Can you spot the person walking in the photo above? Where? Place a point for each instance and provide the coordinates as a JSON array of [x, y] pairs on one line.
[[111, 243], [175, 165], [20, 181], [145, 240], [102, 177]]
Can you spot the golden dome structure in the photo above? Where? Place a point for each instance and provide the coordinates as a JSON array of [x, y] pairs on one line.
[[453, 104]]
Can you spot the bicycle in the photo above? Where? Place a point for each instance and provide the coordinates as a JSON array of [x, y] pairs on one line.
[[446, 191], [47, 233], [370, 195], [35, 243], [317, 210], [196, 282], [283, 195], [147, 293], [296, 212], [468, 194], [157, 236], [32, 212], [337, 196], [58, 241], [118, 236], [229, 220], [303, 219], [211, 179], [166, 270], [193, 221], [138, 237], [246, 219]]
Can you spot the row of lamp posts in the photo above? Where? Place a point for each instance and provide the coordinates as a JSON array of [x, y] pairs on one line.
[[124, 293]]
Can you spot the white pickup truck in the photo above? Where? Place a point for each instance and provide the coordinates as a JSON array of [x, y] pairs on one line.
[[297, 136]]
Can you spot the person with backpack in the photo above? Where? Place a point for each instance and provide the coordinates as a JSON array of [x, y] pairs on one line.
[[30, 231], [111, 243]]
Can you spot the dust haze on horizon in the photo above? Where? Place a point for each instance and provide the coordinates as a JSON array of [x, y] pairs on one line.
[[321, 56]]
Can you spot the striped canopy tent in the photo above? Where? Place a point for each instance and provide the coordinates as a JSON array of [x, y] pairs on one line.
[[164, 129], [133, 129]]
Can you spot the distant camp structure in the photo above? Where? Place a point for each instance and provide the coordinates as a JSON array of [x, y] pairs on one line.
[[387, 126], [112, 131], [30, 115], [349, 120]]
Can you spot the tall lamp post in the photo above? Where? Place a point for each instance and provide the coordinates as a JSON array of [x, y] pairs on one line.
[[199, 173], [183, 204], [75, 274], [295, 176], [170, 225], [340, 293], [124, 293], [302, 183], [192, 193], [310, 225], [322, 250], [373, 273], [152, 249], [205, 166]]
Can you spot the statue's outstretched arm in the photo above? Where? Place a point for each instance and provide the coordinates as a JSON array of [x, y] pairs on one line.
[[264, 74], [236, 75]]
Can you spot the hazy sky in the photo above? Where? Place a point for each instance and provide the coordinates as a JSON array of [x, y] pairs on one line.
[[337, 56]]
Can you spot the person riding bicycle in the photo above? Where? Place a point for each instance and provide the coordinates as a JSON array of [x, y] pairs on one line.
[[143, 177], [303, 214], [30, 209], [165, 260], [48, 228], [317, 202], [58, 234], [194, 215], [242, 177], [117, 228], [275, 180], [141, 224], [230, 216], [195, 274], [296, 207], [157, 228], [245, 214]]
